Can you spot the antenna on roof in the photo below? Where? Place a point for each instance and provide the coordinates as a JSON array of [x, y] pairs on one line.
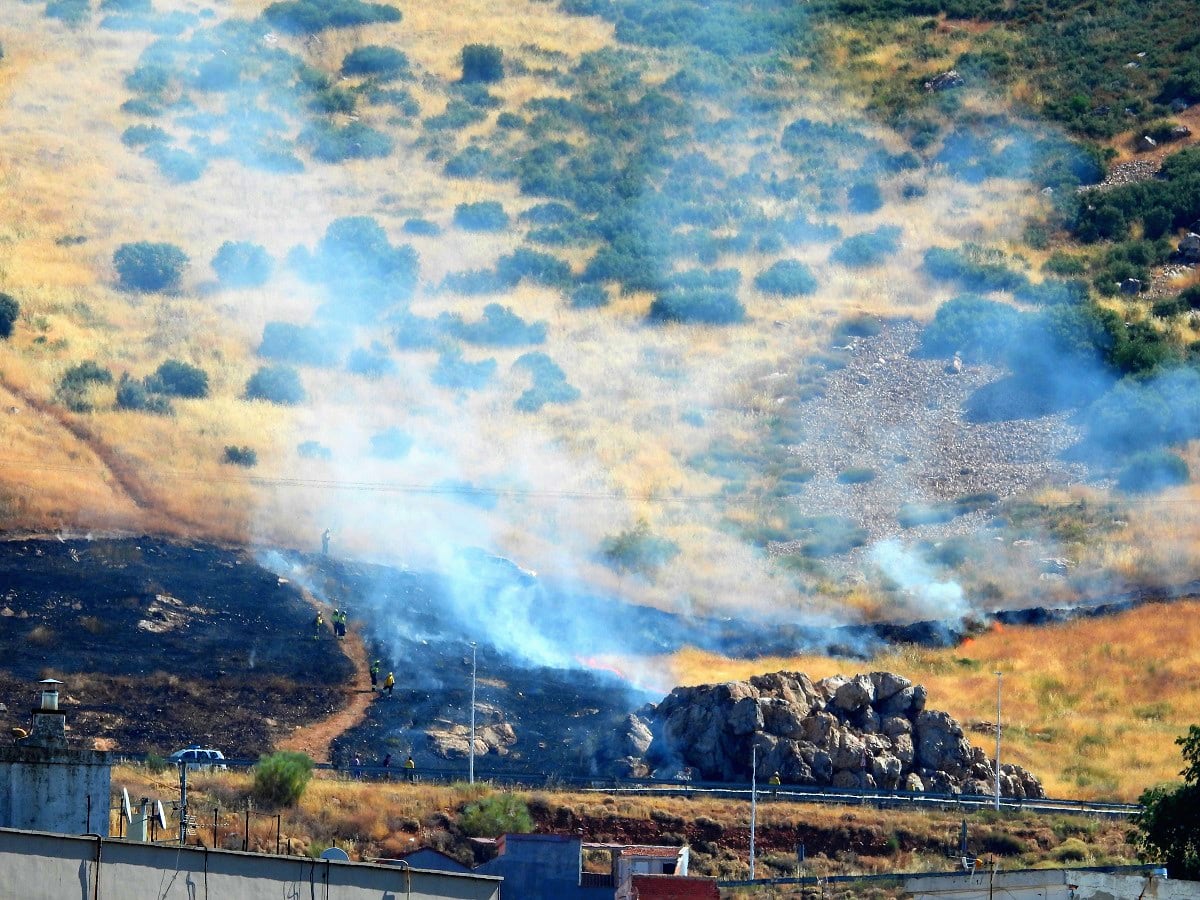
[[162, 816], [126, 809]]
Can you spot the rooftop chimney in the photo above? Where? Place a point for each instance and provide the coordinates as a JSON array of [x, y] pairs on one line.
[[49, 722]]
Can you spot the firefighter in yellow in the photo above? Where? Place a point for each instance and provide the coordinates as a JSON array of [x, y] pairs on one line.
[[389, 683], [318, 624]]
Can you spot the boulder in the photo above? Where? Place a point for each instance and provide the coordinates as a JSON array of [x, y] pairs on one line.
[[843, 731]]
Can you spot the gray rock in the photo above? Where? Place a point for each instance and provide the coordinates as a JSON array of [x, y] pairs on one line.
[[854, 694], [912, 782], [895, 725], [888, 685], [746, 717]]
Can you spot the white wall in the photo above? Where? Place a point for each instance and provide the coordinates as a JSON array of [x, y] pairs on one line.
[[39, 866]]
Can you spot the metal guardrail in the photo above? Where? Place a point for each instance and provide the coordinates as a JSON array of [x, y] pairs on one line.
[[1149, 869], [666, 788]]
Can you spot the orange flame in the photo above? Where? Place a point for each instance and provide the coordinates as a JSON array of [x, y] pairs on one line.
[[599, 664]]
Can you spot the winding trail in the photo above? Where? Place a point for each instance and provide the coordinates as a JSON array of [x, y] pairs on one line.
[[317, 738]]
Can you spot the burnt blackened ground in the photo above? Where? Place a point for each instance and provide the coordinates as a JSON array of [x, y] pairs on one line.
[[161, 644]]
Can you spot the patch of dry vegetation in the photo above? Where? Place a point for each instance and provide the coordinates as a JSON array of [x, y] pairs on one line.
[[1092, 706]]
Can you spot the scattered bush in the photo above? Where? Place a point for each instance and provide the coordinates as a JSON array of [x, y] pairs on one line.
[[370, 363], [637, 550], [242, 264], [869, 249], [72, 12], [498, 327], [178, 379], [378, 62], [1152, 471], [486, 215], [542, 268], [241, 456], [10, 309], [276, 384], [332, 144], [979, 329], [456, 373], [496, 815], [705, 306], [857, 475], [422, 227], [864, 197], [975, 268], [133, 395], [146, 266], [311, 16], [175, 164], [482, 64], [588, 296], [304, 344], [313, 450], [391, 443], [74, 387], [549, 383], [786, 278], [281, 778], [143, 135]]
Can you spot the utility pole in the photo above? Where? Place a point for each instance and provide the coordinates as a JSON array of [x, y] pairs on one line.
[[753, 803], [999, 679], [471, 771], [183, 804]]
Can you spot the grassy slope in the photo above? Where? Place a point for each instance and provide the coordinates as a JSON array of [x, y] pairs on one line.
[[370, 820], [1092, 707]]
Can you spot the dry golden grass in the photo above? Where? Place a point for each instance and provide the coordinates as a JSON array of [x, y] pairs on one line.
[[1092, 707]]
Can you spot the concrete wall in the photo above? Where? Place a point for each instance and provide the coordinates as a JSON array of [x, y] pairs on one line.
[[47, 789], [39, 866], [1050, 884]]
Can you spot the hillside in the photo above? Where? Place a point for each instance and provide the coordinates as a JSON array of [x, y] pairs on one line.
[[566, 304]]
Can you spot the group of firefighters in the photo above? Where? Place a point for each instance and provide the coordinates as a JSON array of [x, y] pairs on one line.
[[339, 623]]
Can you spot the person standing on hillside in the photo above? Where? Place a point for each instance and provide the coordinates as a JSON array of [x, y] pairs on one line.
[[410, 768], [318, 624], [325, 536], [375, 675], [389, 683]]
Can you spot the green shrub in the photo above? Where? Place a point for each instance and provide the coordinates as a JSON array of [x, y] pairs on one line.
[[486, 215], [178, 379], [133, 395], [786, 278], [370, 363], [979, 329], [422, 227], [304, 344], [549, 383], [177, 165], [857, 475], [378, 62], [456, 373], [391, 443], [868, 249], [705, 306], [311, 16], [861, 325], [974, 268], [482, 63], [143, 135], [241, 456], [1071, 850], [1001, 843], [1151, 471], [588, 296], [637, 550], [242, 264], [281, 778], [332, 144], [126, 6], [1065, 264], [313, 450], [276, 384], [864, 197], [499, 326], [147, 266], [10, 309], [72, 12], [496, 815], [74, 387]]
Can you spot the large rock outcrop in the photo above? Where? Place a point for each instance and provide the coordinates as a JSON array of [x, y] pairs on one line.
[[864, 731]]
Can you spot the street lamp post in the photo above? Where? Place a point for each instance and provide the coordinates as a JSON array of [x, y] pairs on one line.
[[753, 803], [471, 771], [999, 679]]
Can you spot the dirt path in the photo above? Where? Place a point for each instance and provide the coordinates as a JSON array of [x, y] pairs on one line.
[[315, 739]]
